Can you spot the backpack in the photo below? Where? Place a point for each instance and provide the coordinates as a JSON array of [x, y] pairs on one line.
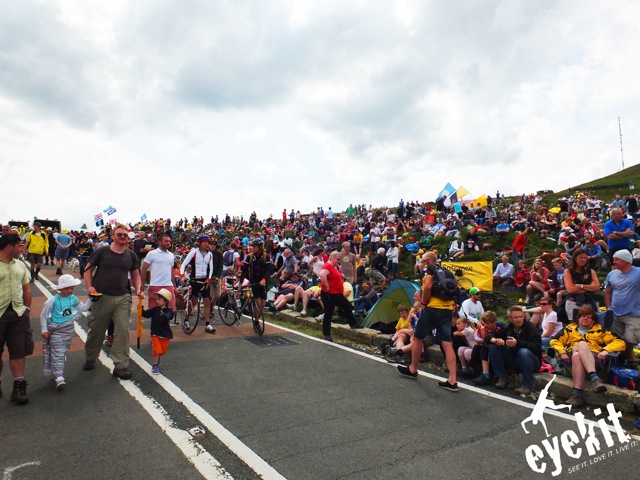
[[626, 378], [227, 258], [445, 286]]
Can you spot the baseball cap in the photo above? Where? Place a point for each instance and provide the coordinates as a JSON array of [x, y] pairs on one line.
[[474, 291]]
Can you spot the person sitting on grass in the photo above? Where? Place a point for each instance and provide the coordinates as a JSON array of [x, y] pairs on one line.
[[584, 344]]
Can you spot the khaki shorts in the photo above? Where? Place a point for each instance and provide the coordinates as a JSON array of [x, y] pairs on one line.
[[627, 328]]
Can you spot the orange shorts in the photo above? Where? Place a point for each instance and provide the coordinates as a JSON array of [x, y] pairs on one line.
[[159, 345]]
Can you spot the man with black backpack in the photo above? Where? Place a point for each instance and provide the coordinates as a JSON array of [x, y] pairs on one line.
[[439, 290]]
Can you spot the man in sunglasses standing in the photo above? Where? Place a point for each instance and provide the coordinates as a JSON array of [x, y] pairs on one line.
[[109, 288]]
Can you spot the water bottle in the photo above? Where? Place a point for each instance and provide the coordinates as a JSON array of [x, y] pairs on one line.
[[238, 302]]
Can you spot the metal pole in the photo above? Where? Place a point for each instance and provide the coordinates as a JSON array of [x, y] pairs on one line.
[[621, 152]]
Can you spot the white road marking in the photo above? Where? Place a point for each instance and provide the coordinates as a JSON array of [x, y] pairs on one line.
[[204, 462], [8, 472]]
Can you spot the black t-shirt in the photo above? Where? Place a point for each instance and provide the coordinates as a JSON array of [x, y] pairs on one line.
[[112, 269]]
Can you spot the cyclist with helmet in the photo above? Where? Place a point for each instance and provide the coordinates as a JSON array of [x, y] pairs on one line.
[[255, 269], [201, 261]]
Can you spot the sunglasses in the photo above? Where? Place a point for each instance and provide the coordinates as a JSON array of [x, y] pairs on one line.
[[122, 235], [543, 304]]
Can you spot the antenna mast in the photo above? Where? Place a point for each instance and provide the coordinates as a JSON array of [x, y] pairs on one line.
[[621, 152]]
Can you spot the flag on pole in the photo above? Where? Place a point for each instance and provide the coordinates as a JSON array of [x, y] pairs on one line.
[[109, 210], [462, 192], [113, 221], [97, 217], [83, 227], [100, 223], [143, 217]]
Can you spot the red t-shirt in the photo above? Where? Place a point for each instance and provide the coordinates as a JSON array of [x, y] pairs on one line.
[[334, 278]]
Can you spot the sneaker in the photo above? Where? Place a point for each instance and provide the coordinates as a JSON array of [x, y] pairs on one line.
[[209, 329], [291, 307], [598, 386], [303, 313], [19, 393], [186, 325], [481, 381], [405, 371], [320, 317], [501, 384], [109, 340], [523, 391], [328, 338], [89, 365], [122, 373], [452, 387], [155, 370], [574, 401], [60, 384], [58, 271]]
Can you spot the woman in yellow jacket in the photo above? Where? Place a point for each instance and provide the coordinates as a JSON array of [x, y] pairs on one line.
[[588, 344]]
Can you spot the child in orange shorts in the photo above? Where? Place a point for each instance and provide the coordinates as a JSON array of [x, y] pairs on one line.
[[160, 316]]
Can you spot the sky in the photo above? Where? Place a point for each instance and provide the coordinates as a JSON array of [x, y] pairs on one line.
[[175, 109]]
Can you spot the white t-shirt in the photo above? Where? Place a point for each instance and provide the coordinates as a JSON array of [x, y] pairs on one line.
[[161, 266], [552, 317], [471, 311]]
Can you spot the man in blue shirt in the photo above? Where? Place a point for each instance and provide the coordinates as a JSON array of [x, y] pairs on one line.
[[621, 295], [618, 232], [63, 242]]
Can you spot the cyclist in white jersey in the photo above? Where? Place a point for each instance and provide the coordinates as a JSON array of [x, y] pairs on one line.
[[201, 261]]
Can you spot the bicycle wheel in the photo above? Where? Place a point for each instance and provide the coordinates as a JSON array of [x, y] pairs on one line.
[[227, 309], [258, 321], [193, 315], [465, 283]]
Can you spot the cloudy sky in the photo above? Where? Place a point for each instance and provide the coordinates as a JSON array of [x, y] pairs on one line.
[[207, 107]]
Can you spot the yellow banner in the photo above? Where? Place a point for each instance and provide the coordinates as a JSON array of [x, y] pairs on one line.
[[472, 274], [482, 200]]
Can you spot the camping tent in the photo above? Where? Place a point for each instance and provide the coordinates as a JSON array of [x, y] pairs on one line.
[[399, 291]]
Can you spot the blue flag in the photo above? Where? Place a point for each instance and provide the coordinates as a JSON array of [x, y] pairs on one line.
[[143, 217], [109, 210]]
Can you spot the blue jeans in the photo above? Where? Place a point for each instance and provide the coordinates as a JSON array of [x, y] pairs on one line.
[[524, 361], [516, 257]]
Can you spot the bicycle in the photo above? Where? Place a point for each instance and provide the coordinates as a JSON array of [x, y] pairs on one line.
[[184, 315], [233, 303]]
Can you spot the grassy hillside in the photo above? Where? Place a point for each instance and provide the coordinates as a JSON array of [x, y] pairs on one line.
[[605, 188]]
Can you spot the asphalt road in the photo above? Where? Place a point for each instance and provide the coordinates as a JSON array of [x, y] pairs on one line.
[[281, 406]]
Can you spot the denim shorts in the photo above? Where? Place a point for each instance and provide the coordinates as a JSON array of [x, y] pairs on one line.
[[435, 318]]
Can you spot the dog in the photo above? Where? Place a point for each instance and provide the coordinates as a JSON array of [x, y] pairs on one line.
[[73, 264]]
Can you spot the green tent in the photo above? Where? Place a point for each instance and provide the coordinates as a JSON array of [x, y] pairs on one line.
[[399, 291]]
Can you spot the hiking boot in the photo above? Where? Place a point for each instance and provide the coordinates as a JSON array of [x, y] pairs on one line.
[[452, 387], [574, 401], [523, 391], [89, 365], [405, 371], [19, 393], [122, 373], [209, 329], [598, 386], [58, 271], [481, 381], [501, 384]]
